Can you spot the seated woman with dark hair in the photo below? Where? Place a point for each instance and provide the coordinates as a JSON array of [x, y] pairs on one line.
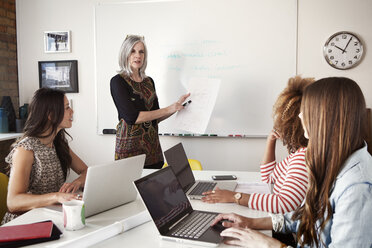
[[40, 160]]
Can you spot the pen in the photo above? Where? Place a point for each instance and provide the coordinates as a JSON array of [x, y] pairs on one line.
[[188, 102]]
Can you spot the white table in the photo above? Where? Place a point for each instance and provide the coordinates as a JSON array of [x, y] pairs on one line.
[[145, 235]]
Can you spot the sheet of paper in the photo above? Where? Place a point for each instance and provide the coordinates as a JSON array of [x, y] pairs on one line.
[[195, 117], [249, 188]]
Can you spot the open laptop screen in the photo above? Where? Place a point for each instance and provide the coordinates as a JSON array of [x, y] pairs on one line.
[[164, 198], [177, 159]]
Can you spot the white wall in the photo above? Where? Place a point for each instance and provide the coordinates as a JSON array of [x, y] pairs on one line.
[[318, 19]]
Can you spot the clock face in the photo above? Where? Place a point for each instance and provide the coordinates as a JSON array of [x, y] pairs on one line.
[[343, 50]]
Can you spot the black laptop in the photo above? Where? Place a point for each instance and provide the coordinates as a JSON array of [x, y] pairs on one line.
[[172, 212], [177, 159]]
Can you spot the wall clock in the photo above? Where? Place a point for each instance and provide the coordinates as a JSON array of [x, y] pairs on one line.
[[343, 50]]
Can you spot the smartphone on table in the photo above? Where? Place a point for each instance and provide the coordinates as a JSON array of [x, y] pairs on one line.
[[224, 177]]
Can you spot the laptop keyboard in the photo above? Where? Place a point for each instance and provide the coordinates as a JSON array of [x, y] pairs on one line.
[[195, 226], [202, 187]]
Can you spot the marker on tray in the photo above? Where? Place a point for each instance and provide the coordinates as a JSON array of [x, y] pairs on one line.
[[188, 102]]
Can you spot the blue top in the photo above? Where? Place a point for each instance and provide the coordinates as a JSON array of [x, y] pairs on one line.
[[351, 201]]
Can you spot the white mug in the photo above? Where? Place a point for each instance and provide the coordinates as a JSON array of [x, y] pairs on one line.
[[73, 215]]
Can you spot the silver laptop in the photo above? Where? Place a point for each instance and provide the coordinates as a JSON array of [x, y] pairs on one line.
[[110, 185], [177, 160], [172, 212]]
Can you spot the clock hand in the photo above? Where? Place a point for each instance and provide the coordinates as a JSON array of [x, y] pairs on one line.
[[340, 49], [347, 45]]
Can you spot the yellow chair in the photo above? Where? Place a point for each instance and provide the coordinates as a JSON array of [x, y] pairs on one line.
[[194, 164], [3, 194]]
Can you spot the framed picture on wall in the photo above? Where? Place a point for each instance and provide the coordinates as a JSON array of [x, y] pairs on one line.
[[57, 42], [61, 75]]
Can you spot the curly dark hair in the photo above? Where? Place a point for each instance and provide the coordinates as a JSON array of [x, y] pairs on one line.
[[285, 113]]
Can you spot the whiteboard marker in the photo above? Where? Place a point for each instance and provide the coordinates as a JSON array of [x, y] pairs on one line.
[[188, 102]]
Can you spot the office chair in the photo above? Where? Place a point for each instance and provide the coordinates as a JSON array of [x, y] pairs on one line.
[[3, 194], [194, 164]]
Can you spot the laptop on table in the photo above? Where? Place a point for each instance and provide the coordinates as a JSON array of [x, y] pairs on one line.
[[172, 212], [177, 160], [110, 185]]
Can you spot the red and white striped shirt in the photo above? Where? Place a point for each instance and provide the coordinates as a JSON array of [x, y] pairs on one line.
[[290, 179]]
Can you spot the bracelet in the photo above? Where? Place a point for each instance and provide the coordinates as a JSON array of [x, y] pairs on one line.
[[278, 222]]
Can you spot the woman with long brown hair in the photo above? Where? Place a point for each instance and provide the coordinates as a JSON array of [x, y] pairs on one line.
[[40, 160], [338, 204]]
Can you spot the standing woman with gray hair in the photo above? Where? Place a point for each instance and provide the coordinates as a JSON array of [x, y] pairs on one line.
[[138, 108]]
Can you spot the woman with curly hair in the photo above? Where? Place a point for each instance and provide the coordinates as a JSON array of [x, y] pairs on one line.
[[288, 176], [338, 204]]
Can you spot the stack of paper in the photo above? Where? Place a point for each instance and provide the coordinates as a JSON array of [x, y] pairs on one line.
[[250, 188]]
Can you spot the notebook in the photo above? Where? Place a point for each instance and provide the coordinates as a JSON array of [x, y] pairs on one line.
[[172, 212], [110, 185], [27, 231], [177, 160], [28, 234]]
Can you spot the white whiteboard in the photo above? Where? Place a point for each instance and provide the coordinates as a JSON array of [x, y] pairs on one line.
[[249, 44]]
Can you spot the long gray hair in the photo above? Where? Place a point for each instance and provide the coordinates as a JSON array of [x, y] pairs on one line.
[[125, 51]]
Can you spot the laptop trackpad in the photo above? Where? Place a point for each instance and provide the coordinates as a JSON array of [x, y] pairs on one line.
[[212, 235]]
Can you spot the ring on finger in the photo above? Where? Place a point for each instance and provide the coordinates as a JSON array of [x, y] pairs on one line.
[[213, 191]]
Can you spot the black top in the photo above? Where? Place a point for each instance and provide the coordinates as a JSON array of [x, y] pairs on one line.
[[131, 99]]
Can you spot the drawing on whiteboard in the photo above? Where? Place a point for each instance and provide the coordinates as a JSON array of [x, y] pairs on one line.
[[252, 69]]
